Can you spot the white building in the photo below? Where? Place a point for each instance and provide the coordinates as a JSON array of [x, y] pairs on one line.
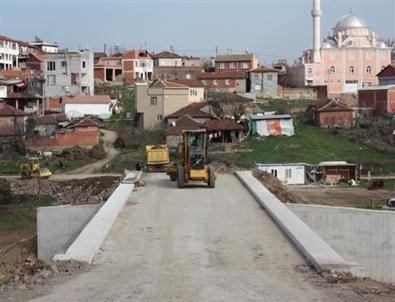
[[68, 73], [79, 106], [167, 58], [291, 174], [46, 47], [9, 52]]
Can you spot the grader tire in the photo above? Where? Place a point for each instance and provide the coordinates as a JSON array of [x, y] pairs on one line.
[[180, 177], [173, 177], [211, 177]]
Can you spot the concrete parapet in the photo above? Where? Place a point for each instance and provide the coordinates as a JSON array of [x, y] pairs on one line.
[[88, 242], [58, 226], [314, 248]]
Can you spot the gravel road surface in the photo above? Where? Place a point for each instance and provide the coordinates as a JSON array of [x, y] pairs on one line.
[[194, 244]]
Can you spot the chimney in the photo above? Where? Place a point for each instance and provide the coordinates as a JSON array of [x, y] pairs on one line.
[[316, 13]]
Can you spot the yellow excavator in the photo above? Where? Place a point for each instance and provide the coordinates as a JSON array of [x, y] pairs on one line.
[[32, 169], [192, 160]]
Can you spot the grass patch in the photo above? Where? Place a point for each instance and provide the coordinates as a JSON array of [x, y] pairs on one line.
[[281, 105], [127, 100], [10, 166], [23, 215], [312, 145], [126, 159]]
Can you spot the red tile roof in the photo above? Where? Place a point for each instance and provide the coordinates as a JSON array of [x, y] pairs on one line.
[[186, 122], [166, 55], [221, 125], [264, 69], [221, 75], [7, 110], [193, 110], [189, 82], [84, 122], [87, 99]]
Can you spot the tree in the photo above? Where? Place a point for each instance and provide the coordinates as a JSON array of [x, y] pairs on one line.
[[228, 105]]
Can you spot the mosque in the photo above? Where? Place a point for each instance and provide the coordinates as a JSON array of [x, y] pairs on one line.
[[348, 59]]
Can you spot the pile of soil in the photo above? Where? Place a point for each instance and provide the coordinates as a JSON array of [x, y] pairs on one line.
[[76, 191], [276, 187]]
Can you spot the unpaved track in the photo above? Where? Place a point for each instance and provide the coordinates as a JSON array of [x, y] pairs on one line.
[[195, 244], [108, 141]]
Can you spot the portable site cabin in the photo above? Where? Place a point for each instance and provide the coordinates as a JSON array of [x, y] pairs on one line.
[[290, 173], [335, 172], [266, 125]]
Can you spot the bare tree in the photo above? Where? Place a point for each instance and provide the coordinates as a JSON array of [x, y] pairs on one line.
[[228, 105]]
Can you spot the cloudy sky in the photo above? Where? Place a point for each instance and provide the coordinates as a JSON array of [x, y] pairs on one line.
[[271, 28]]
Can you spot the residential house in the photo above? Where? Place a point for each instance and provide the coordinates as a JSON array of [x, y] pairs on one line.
[[224, 131], [377, 100], [200, 112], [263, 81], [167, 58], [11, 121], [9, 53], [45, 47], [79, 106], [387, 75], [287, 173], [128, 67], [84, 132], [240, 63], [224, 81], [267, 125], [68, 73], [196, 89], [173, 131], [24, 89], [335, 114], [157, 100], [192, 61], [97, 56]]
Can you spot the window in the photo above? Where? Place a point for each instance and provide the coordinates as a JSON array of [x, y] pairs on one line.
[[332, 70], [215, 82], [227, 82], [154, 100], [274, 172], [63, 64], [309, 70], [83, 64], [369, 70], [51, 66], [193, 92], [221, 66], [137, 64], [51, 79], [232, 65], [366, 84], [288, 173], [159, 117], [352, 69], [244, 65]]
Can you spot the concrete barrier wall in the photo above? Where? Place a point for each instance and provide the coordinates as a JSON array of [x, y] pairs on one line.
[[363, 236], [57, 227]]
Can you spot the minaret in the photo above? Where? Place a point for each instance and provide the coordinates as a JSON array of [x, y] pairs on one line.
[[316, 13]]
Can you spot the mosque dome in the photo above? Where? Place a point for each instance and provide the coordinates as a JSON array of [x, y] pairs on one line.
[[351, 21], [381, 44], [327, 44]]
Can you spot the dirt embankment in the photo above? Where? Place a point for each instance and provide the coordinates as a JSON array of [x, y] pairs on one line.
[[19, 266]]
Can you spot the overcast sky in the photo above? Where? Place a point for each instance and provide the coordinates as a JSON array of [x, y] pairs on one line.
[[271, 28]]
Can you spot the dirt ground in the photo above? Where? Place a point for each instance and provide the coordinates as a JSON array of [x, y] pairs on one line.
[[339, 196], [18, 244]]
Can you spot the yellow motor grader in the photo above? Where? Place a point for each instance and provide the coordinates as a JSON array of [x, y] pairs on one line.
[[32, 169], [192, 160]]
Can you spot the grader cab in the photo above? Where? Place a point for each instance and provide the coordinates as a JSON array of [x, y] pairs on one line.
[[192, 160]]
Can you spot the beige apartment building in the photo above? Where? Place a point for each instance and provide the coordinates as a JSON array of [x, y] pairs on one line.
[[157, 100]]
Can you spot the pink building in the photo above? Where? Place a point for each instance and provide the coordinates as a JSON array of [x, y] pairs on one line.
[[348, 59]]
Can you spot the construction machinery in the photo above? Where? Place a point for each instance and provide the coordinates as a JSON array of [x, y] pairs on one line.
[[192, 160], [32, 169], [157, 158]]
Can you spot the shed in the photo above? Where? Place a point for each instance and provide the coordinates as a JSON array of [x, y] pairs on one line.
[[335, 114], [334, 172], [288, 173], [267, 125]]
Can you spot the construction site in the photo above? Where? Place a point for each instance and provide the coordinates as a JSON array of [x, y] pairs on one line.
[[188, 230]]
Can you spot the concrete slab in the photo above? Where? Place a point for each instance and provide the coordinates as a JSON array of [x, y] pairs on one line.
[[59, 226], [85, 247], [319, 253]]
